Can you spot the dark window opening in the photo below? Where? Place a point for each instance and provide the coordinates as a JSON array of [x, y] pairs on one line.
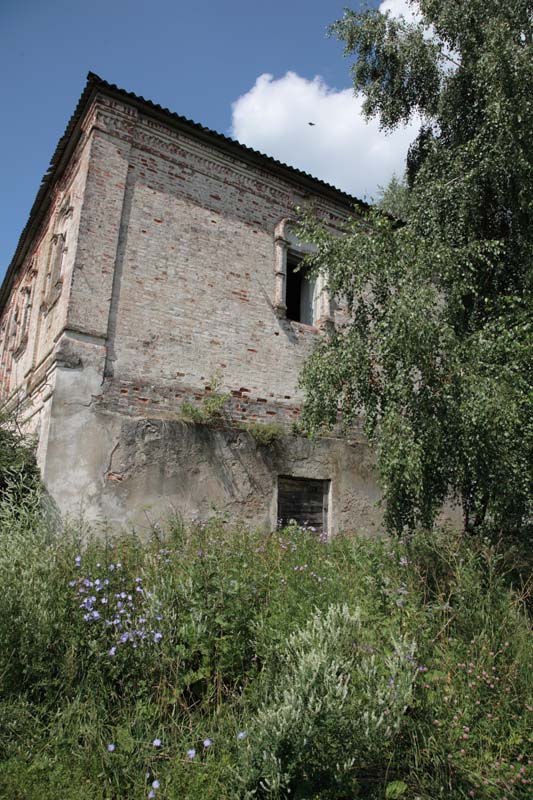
[[303, 500], [299, 293]]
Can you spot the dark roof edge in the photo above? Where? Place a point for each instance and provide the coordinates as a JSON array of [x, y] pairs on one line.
[[41, 203], [70, 138]]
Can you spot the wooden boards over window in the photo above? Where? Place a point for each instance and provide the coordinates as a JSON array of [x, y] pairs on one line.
[[304, 500]]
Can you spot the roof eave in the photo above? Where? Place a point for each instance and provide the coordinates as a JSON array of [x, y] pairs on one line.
[[72, 134], [41, 204]]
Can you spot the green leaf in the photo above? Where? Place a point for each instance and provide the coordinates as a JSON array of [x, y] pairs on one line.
[[395, 789], [124, 741]]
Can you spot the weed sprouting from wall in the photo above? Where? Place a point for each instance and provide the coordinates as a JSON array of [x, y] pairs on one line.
[[212, 406]]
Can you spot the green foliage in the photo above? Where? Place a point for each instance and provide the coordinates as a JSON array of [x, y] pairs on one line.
[[395, 789], [331, 687], [393, 199], [18, 468], [356, 667], [435, 352], [265, 433], [211, 408]]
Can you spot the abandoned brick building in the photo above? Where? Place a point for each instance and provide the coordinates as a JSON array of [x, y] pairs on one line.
[[157, 255]]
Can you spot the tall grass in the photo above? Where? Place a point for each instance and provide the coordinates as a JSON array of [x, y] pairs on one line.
[[213, 662]]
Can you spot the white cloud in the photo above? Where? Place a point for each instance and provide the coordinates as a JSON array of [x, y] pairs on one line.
[[400, 8], [340, 148]]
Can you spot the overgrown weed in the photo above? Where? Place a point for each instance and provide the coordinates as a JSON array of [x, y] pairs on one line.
[[226, 663]]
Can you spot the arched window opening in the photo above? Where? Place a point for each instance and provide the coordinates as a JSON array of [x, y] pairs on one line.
[[300, 296]]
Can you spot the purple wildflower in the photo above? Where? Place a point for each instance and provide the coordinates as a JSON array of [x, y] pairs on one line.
[[157, 743], [207, 743], [111, 747], [191, 753]]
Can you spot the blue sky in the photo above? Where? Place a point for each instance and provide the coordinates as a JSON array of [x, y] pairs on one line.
[[247, 69]]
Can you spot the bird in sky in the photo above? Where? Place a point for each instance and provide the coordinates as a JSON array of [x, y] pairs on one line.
[[311, 123]]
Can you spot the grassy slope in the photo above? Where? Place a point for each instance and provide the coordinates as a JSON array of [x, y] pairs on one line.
[[311, 670]]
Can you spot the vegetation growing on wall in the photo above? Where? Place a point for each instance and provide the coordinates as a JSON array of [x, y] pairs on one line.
[[212, 406], [265, 433]]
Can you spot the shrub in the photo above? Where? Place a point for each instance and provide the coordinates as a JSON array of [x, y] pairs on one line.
[[18, 467], [265, 433], [210, 409], [335, 706]]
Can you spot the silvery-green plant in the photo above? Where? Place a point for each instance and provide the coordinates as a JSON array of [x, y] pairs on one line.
[[334, 707]]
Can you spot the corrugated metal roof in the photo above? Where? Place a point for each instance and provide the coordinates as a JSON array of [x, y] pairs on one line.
[[68, 141]]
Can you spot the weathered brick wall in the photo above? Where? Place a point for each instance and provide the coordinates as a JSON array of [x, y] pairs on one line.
[[194, 275], [169, 264], [101, 220]]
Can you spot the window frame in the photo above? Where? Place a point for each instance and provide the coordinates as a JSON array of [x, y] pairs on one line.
[[22, 319], [285, 244], [57, 252], [303, 481]]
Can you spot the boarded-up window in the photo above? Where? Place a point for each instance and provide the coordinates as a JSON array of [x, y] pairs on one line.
[[303, 500]]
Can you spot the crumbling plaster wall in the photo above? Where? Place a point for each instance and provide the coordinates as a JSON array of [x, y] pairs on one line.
[[136, 471], [199, 470]]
